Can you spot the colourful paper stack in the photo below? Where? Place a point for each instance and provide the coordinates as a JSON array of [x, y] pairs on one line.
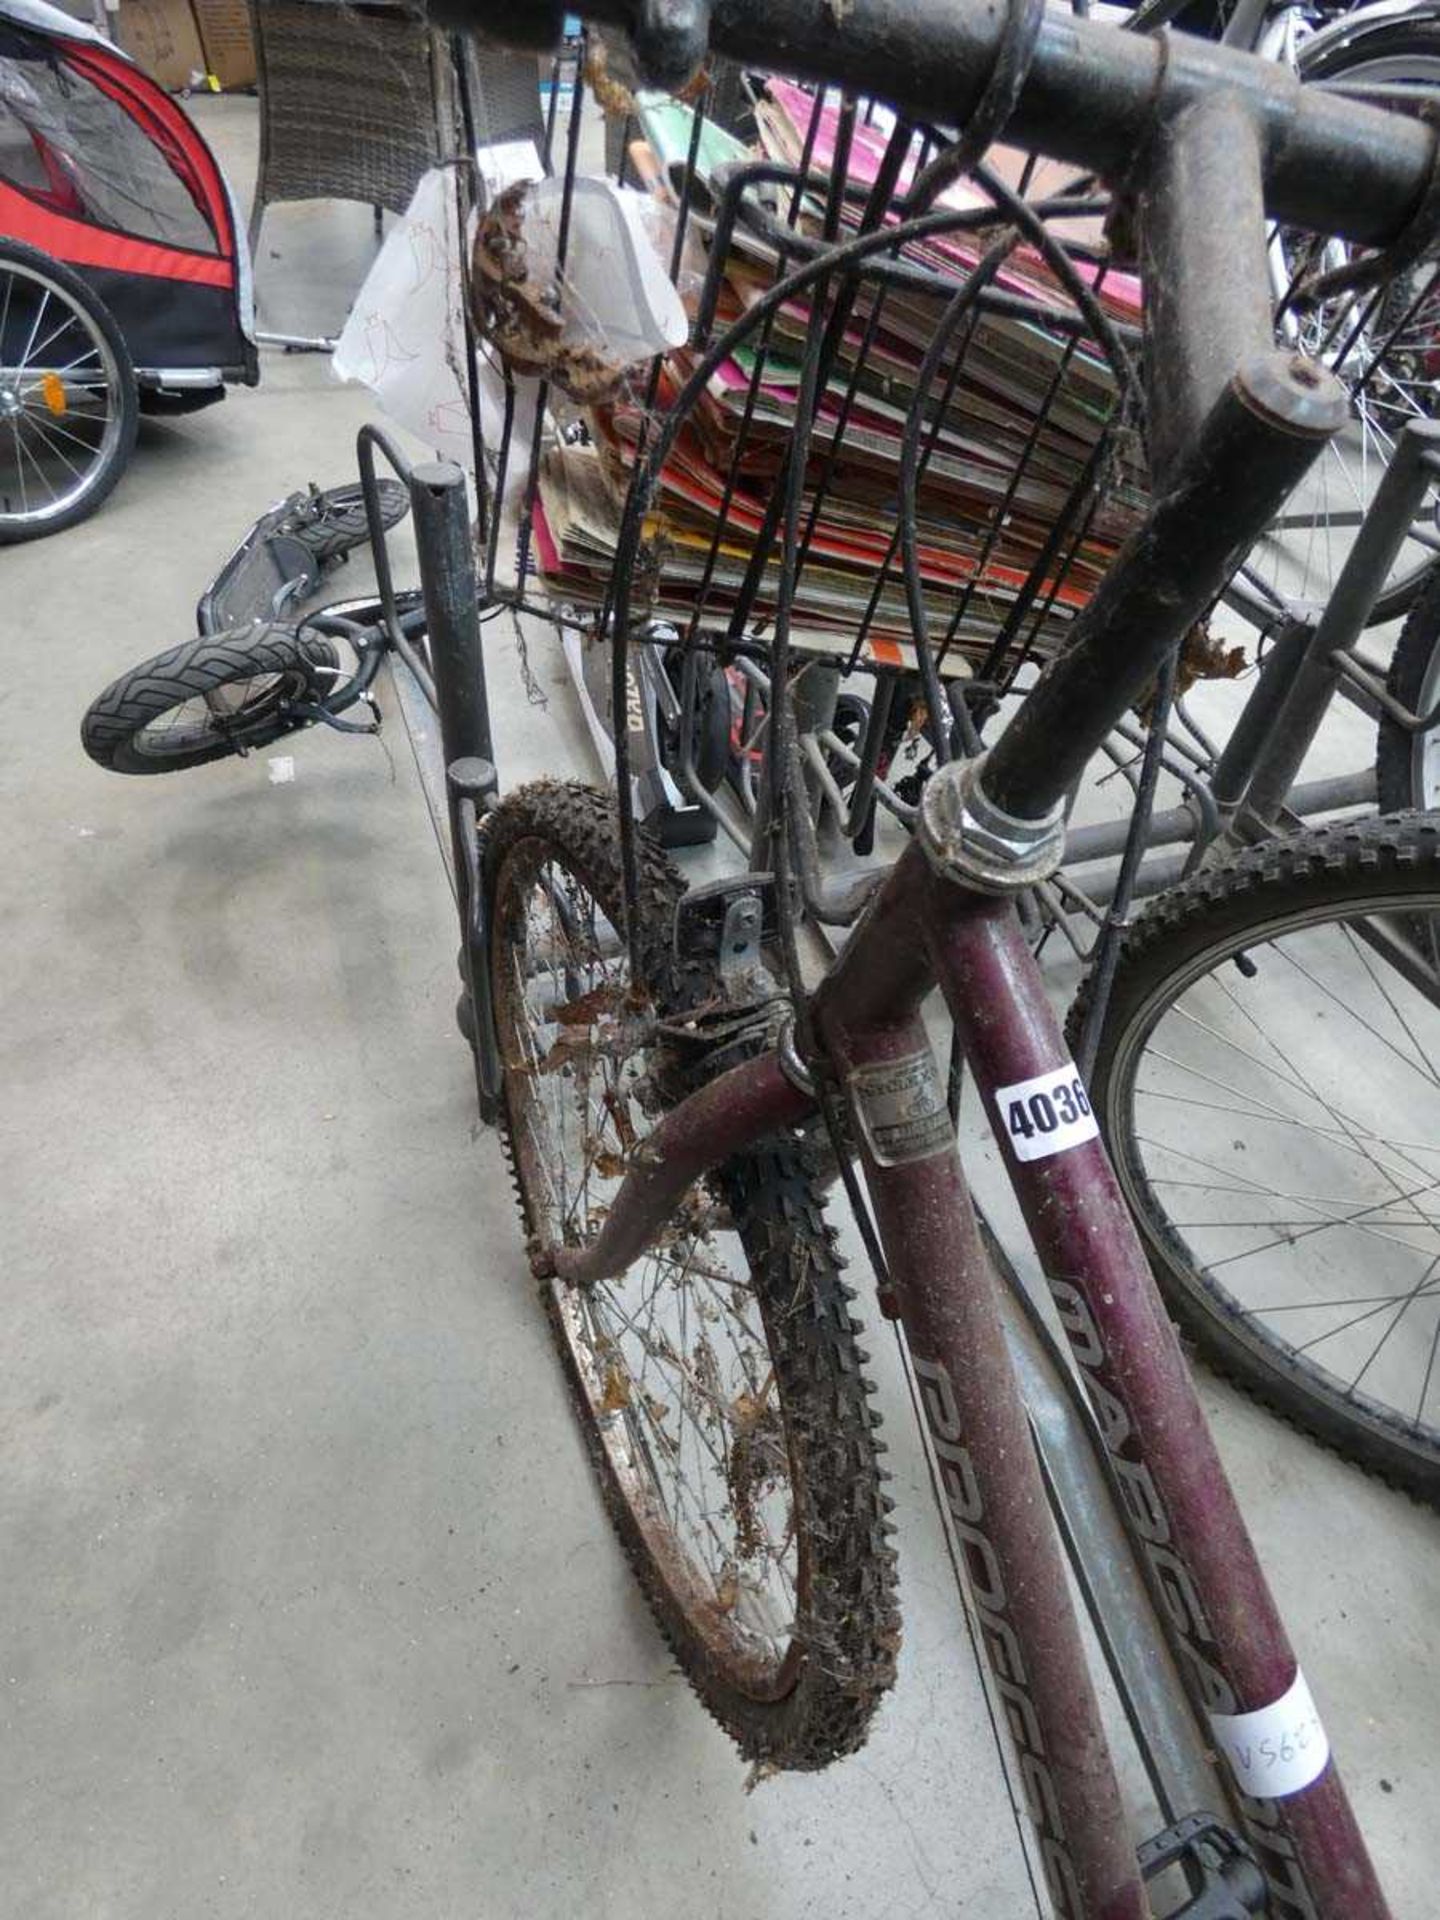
[[1008, 440]]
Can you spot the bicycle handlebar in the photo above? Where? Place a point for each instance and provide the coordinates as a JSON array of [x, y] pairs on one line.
[[1202, 138], [1092, 94]]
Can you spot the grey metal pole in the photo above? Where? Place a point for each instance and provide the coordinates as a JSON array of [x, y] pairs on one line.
[[1381, 536]]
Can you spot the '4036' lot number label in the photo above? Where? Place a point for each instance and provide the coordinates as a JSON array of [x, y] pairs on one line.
[[1046, 1115]]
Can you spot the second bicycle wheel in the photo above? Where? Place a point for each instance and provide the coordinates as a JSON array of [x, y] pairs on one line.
[[717, 1381], [1268, 1082], [221, 694]]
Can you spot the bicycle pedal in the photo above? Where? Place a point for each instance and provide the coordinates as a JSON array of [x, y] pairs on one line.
[[1230, 1886]]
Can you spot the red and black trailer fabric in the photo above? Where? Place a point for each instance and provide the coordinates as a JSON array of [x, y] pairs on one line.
[[101, 169]]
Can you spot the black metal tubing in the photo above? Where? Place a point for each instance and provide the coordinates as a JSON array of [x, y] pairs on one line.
[[1244, 463], [1245, 748], [371, 639], [465, 198], [1234, 423], [1106, 955], [1382, 534], [1203, 259], [861, 822], [469, 789], [447, 578], [1094, 93]]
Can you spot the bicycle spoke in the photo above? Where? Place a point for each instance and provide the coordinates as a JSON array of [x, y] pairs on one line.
[[19, 465], [674, 1350], [24, 454], [1353, 1133], [25, 351], [1400, 1312], [1367, 960], [1319, 1065], [10, 279], [52, 426], [52, 444]]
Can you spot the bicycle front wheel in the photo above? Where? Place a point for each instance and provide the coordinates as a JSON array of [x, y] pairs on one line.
[[221, 694], [717, 1382], [1268, 1083]]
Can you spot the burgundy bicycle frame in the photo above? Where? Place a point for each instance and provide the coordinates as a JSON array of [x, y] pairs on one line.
[[1200, 136], [924, 928]]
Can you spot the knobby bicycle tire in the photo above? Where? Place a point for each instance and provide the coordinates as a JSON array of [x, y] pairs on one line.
[[809, 1697], [263, 668], [1205, 1080]]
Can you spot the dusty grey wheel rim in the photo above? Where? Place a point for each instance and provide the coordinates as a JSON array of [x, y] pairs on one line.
[[671, 1359], [61, 412], [1327, 1250], [206, 718]]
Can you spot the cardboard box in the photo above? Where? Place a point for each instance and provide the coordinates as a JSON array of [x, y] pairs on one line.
[[162, 36], [225, 35]]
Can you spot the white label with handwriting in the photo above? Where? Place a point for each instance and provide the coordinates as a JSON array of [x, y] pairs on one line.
[[1046, 1115], [1275, 1750]]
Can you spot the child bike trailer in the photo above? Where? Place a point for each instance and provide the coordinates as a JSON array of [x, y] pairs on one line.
[[124, 279]]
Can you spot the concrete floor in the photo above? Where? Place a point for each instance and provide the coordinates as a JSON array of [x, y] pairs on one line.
[[309, 1607]]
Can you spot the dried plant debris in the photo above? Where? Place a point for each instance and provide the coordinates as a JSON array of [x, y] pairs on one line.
[[568, 283], [519, 309], [614, 79], [1202, 657]]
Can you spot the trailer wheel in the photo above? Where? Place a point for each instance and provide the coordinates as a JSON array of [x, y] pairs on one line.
[[68, 404]]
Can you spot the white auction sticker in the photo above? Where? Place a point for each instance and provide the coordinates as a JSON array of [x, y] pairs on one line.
[[1275, 1750], [1046, 1115]]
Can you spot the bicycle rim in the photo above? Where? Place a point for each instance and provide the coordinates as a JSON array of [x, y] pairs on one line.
[[60, 413], [200, 721], [1292, 1191], [671, 1360]]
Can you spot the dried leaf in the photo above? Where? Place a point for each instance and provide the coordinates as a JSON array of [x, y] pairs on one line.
[[569, 1049], [588, 1007], [616, 1397]]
